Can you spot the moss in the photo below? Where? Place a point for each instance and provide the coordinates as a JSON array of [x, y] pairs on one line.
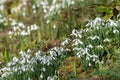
[[66, 70]]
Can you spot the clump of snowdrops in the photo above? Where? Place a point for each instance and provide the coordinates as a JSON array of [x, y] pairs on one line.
[[39, 66], [92, 45]]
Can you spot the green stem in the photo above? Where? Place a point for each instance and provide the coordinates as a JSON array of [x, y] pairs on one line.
[[75, 73]]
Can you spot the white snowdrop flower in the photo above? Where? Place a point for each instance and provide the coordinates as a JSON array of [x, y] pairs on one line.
[[21, 25], [23, 68], [106, 40], [38, 53], [79, 35], [58, 6], [33, 6], [55, 51], [97, 20], [87, 58], [1, 7], [100, 46], [115, 31], [54, 26], [0, 16], [18, 28], [28, 28], [97, 61], [52, 78], [79, 54], [9, 64], [24, 2], [81, 0], [76, 48], [96, 37], [34, 27], [15, 34], [67, 50], [94, 23], [72, 2], [93, 59], [52, 8], [111, 23], [23, 33], [85, 51], [5, 74], [89, 55], [20, 72], [29, 79], [90, 64], [15, 59], [52, 53], [76, 33], [1, 20], [86, 30], [15, 28], [54, 1], [95, 56], [61, 49], [34, 11], [13, 63], [44, 10], [27, 56], [102, 62], [29, 50], [33, 60], [118, 15], [13, 23], [23, 61], [5, 69], [41, 76], [49, 63], [76, 42], [93, 37], [43, 69], [23, 13], [48, 21], [28, 32], [65, 42], [32, 69], [10, 32], [48, 78], [44, 2], [15, 69], [89, 46], [63, 5]]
